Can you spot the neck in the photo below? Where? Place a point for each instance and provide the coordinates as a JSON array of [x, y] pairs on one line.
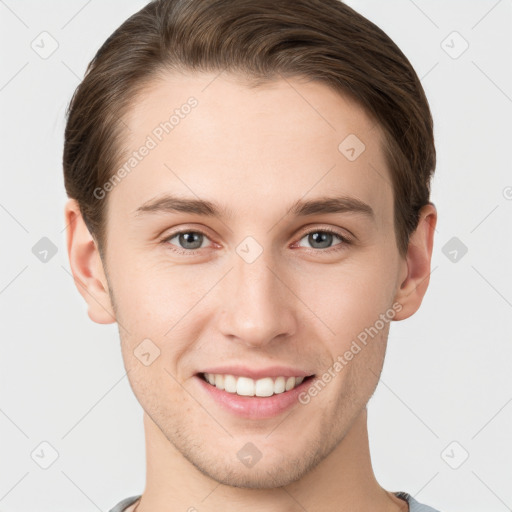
[[341, 482]]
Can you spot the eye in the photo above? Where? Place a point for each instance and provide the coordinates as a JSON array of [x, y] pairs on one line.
[[189, 241], [321, 239]]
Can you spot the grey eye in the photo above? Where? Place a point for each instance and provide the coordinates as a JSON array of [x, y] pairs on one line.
[[190, 240]]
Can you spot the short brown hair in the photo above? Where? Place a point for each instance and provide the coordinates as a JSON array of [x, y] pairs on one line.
[[323, 40]]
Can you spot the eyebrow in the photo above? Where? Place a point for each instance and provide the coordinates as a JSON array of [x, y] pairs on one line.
[[301, 208]]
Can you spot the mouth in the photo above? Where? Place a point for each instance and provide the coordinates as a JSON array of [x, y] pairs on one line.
[[247, 387], [252, 392]]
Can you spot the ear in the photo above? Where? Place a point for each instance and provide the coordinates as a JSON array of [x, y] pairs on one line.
[[87, 267], [415, 275]]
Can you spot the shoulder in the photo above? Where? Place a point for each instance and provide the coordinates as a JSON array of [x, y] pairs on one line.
[[124, 504], [414, 505]]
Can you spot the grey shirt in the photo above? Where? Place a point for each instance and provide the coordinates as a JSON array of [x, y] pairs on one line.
[[414, 506]]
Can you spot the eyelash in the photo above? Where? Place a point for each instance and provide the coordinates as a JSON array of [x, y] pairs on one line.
[[191, 252]]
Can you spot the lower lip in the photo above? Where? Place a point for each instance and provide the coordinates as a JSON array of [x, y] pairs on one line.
[[255, 407]]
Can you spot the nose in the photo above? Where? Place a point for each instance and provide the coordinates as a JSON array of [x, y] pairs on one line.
[[258, 305]]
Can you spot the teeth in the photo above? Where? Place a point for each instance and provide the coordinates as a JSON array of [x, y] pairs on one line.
[[219, 381], [244, 386]]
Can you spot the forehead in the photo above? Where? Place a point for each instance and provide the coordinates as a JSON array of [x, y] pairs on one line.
[[258, 149]]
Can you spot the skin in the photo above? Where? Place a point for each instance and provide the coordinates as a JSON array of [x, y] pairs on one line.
[[256, 151]]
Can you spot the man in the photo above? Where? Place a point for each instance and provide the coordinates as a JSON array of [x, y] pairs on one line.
[[249, 201]]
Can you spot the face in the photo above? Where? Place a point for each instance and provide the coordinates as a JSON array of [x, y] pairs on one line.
[[264, 280]]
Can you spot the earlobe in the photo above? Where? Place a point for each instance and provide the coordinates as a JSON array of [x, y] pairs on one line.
[[414, 282], [87, 267]]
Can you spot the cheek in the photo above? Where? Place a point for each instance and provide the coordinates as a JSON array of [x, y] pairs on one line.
[[153, 294], [347, 298], [155, 386], [159, 312], [155, 298]]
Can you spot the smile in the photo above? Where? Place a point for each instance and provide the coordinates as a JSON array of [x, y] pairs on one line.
[[245, 386]]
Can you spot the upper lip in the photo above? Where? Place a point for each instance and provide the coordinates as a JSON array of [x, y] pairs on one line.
[[258, 373]]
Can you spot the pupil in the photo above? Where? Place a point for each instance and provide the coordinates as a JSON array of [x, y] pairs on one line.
[[321, 236], [184, 239]]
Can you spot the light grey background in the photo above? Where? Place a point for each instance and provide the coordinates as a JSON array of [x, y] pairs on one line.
[[447, 374]]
